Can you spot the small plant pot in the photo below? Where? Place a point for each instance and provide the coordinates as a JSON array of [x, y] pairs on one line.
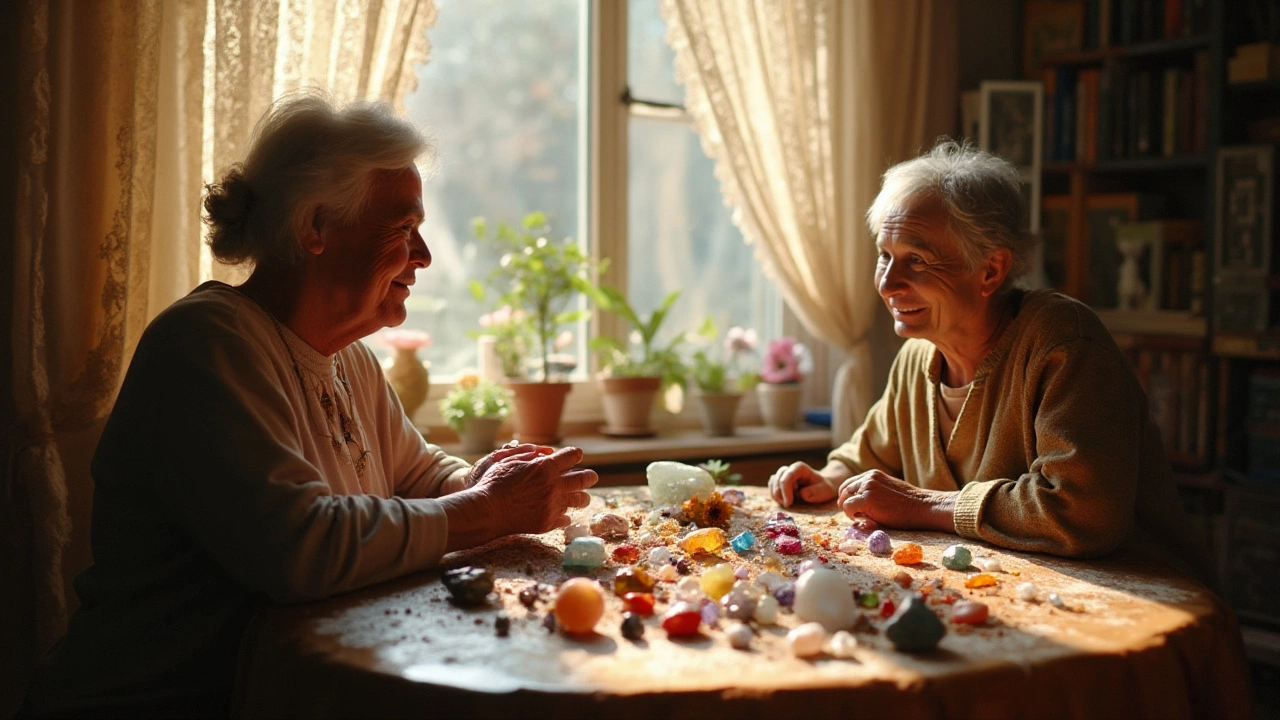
[[479, 435], [628, 402], [538, 408], [718, 412], [780, 404]]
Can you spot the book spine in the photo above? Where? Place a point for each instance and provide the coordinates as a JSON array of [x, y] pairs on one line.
[[1200, 134], [1169, 114], [1104, 138], [1049, 77]]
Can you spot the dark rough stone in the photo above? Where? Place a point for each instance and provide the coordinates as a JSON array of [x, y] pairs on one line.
[[632, 626], [469, 586]]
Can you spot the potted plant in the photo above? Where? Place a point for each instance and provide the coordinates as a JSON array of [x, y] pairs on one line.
[[785, 362], [475, 409], [539, 277], [630, 382], [719, 381]]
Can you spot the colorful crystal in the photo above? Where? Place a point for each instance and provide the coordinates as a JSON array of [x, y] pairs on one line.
[[869, 600], [980, 580], [632, 580], [717, 581], [710, 612], [584, 553], [706, 540], [785, 595], [956, 557], [626, 553], [878, 543], [908, 554], [743, 541], [788, 545], [903, 580], [640, 603], [887, 608]]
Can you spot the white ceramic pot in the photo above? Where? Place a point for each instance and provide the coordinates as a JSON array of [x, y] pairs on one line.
[[780, 404]]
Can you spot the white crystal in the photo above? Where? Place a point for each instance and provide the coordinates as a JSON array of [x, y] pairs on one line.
[[770, 580], [668, 573], [739, 636], [689, 589], [842, 644], [850, 547], [1056, 600], [659, 556], [807, 639], [573, 531], [988, 564], [767, 610], [749, 588], [671, 483], [1027, 592], [823, 596], [654, 517]]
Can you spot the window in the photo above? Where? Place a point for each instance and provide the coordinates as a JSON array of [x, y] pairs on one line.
[[507, 90]]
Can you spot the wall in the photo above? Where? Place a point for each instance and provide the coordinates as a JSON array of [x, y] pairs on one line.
[[989, 45]]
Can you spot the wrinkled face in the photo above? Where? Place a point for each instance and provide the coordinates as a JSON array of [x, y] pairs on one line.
[[922, 277], [372, 261]]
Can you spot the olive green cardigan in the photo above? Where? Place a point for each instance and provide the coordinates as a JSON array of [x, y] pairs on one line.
[[1054, 450]]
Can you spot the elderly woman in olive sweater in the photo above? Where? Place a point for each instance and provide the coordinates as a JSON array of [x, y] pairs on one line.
[[1009, 417]]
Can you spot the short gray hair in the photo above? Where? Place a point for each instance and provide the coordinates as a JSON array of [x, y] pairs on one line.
[[305, 153], [981, 193]]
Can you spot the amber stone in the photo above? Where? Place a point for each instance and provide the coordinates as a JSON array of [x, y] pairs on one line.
[[908, 554], [579, 605], [632, 580], [980, 580]]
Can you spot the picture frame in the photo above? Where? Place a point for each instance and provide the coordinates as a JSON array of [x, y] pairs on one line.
[[1010, 122], [1245, 205], [1050, 27]]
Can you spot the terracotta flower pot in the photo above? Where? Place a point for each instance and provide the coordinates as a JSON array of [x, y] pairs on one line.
[[780, 404], [479, 435], [718, 412], [538, 408], [409, 377], [628, 402]]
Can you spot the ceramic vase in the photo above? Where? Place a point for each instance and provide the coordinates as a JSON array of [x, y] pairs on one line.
[[409, 377], [538, 407], [780, 404], [628, 404], [718, 412], [479, 435]]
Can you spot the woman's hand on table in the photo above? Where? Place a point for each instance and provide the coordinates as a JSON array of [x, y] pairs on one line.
[[799, 481], [895, 503]]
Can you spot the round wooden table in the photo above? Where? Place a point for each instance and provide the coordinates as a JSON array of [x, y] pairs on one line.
[[1135, 640]]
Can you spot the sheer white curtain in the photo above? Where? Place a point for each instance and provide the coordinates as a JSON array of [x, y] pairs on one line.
[[126, 108], [802, 104]]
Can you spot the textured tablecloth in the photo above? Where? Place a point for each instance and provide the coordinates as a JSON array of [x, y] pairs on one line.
[[1137, 641]]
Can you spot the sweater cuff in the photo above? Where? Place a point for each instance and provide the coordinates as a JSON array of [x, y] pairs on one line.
[[436, 523], [967, 515]]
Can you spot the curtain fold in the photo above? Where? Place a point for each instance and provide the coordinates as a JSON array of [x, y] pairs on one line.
[[126, 108], [802, 104]]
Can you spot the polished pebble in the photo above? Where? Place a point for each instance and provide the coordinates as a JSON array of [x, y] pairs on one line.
[[717, 581], [632, 626], [842, 644], [668, 573], [502, 625], [956, 557], [682, 620], [1056, 600], [969, 612], [610, 526], [806, 640], [822, 595], [785, 595], [468, 586], [903, 579], [914, 628], [869, 600], [573, 531], [1027, 592], [640, 603], [766, 610], [739, 636], [878, 543], [579, 605], [584, 553], [659, 556], [988, 564]]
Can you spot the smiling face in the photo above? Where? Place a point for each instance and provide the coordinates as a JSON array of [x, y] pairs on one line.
[[924, 280], [369, 264]]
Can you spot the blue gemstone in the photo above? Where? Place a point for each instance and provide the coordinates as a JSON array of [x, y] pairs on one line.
[[743, 542]]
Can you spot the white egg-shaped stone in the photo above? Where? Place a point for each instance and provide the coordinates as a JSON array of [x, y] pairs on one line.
[[573, 531], [807, 640], [842, 644], [671, 483], [766, 610], [739, 636], [823, 596], [1027, 592]]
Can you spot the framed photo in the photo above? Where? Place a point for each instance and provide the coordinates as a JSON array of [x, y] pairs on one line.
[[1245, 200], [1010, 123]]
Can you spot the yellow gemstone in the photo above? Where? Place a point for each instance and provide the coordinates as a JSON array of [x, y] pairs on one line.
[[717, 581], [705, 540], [980, 580]]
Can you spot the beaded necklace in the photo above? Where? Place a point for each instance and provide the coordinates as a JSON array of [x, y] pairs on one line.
[[348, 427]]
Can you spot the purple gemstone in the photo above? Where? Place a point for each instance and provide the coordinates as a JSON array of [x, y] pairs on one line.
[[710, 612], [853, 533], [741, 572], [683, 566], [878, 543], [785, 595]]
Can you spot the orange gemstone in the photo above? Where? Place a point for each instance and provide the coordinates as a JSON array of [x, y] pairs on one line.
[[980, 580], [638, 603], [908, 554], [579, 605]]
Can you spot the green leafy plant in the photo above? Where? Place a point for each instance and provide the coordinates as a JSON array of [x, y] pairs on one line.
[[719, 471], [538, 276], [651, 360], [714, 372], [472, 397]]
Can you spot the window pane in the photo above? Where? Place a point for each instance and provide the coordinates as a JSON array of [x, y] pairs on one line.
[[501, 93], [679, 236], [650, 62]]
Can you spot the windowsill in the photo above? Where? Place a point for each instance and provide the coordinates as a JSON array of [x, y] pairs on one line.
[[690, 445]]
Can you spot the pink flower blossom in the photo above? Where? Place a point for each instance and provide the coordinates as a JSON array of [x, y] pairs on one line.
[[403, 339], [738, 341], [782, 361]]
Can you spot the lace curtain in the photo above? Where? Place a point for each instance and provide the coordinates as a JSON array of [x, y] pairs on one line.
[[126, 107], [802, 104]]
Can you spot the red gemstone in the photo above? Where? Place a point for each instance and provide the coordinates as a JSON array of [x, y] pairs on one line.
[[887, 608], [682, 624], [626, 553], [638, 603], [972, 613]]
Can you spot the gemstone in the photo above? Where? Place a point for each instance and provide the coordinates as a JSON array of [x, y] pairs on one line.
[[878, 543], [638, 603], [988, 564], [822, 596], [632, 626], [870, 600], [671, 483], [739, 603], [741, 572], [903, 579], [502, 625], [788, 545], [632, 580], [914, 628], [1027, 591], [579, 605], [573, 531], [682, 620], [766, 610], [706, 540], [980, 580], [668, 573], [807, 640], [710, 612], [743, 541], [529, 596], [887, 608], [739, 636], [689, 589], [1056, 600], [584, 552], [908, 554], [770, 580], [717, 581], [659, 556], [969, 612], [842, 644], [683, 566], [610, 526], [468, 586], [956, 557], [733, 496], [785, 595], [778, 528], [625, 553]]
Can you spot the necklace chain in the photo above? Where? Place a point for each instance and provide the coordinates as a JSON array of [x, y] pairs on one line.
[[348, 427]]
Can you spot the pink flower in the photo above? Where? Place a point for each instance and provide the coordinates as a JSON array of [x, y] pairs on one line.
[[738, 341], [402, 339], [782, 361]]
